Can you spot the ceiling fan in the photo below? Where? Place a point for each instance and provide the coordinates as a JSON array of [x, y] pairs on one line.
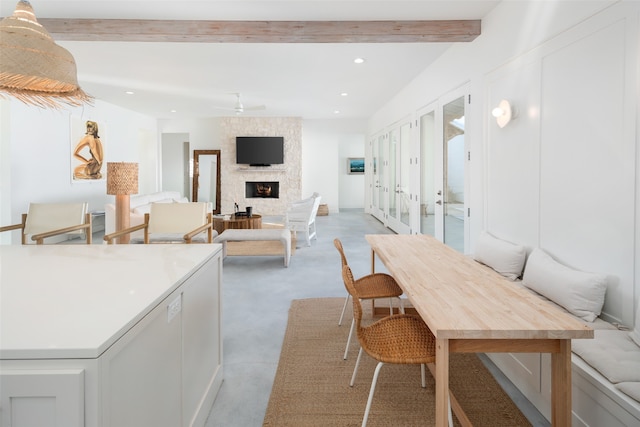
[[239, 108]]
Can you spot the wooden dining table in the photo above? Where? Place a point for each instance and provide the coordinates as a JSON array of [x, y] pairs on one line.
[[470, 308]]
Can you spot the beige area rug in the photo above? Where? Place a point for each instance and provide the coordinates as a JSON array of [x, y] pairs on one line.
[[260, 248], [311, 387]]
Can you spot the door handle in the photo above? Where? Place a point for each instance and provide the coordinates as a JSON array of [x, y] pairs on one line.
[[438, 202]]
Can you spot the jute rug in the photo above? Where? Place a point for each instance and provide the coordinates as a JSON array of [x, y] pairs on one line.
[[259, 248], [311, 387]]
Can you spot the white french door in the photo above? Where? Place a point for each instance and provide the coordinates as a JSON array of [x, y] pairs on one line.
[[399, 214], [454, 163], [430, 212], [378, 184], [443, 207]]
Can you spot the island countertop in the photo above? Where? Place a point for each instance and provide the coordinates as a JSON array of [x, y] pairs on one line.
[[75, 301]]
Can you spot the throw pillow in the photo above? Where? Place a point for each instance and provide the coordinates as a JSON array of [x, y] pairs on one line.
[[504, 257], [141, 210], [581, 293]]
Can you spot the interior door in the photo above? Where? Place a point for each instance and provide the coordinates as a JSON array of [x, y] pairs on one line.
[[399, 178], [454, 163], [430, 202], [379, 185], [443, 161]]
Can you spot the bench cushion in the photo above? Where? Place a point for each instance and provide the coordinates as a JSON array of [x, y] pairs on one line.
[[631, 389], [254, 234], [504, 257], [612, 353], [260, 234], [581, 293]]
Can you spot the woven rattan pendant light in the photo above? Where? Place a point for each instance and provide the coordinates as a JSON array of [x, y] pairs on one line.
[[33, 68]]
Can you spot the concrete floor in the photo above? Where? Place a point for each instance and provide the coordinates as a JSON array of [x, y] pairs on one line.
[[257, 293]]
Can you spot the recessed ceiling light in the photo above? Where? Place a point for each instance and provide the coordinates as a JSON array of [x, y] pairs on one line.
[[174, 111], [358, 60], [344, 94], [129, 92], [336, 111]]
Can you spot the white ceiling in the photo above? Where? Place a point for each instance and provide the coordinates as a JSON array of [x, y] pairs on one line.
[[302, 80]]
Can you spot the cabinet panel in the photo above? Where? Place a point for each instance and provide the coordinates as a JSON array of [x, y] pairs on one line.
[[142, 372], [37, 398], [202, 341]]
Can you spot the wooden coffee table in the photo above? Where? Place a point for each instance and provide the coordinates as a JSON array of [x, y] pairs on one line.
[[237, 222]]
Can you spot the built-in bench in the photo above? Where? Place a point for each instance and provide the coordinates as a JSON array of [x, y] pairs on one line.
[[261, 234], [606, 380]]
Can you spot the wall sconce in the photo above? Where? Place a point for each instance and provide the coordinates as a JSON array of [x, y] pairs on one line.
[[503, 113], [33, 68], [122, 180]]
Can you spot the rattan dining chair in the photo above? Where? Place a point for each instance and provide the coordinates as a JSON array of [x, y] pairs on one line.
[[371, 286], [400, 339]]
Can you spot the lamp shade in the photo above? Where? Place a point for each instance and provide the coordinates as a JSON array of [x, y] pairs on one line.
[[33, 68], [502, 113], [122, 178]]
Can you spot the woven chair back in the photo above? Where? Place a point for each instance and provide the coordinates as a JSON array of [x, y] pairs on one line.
[[338, 244], [347, 277]]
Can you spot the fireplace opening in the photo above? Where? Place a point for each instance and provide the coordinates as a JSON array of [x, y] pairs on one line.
[[263, 190]]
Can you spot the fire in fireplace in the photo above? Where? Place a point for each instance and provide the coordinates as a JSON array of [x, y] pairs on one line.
[[265, 190]]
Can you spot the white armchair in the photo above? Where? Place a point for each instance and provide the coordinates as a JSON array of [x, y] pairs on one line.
[[45, 220], [172, 223], [301, 217]]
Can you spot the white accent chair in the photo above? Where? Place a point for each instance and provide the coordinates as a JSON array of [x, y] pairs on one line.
[[301, 217], [44, 220], [172, 223]]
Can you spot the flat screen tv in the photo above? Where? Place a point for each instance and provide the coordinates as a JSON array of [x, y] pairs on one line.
[[260, 150]]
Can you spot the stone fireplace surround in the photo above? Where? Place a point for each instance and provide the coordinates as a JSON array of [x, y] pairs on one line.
[[234, 176]]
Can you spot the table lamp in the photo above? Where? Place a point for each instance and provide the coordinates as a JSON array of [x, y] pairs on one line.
[[122, 180]]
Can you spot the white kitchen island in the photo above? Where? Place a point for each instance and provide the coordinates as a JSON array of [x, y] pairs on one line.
[[109, 335]]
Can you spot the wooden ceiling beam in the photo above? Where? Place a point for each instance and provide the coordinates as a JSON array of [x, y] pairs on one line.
[[135, 30]]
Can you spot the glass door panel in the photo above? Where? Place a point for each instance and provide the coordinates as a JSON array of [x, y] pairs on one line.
[[403, 183], [379, 177], [375, 196], [428, 174], [393, 179], [454, 163]]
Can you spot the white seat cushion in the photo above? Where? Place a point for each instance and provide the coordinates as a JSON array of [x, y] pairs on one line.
[[581, 293], [631, 389], [612, 353]]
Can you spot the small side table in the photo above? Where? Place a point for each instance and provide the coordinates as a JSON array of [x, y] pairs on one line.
[[237, 222]]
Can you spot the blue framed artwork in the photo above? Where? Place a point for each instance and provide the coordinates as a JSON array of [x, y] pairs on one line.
[[355, 165]]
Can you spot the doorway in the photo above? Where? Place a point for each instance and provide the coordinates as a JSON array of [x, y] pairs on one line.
[[443, 210], [399, 212], [176, 163]]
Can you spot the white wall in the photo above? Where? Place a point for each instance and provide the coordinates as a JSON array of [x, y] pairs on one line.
[[326, 145], [175, 154], [352, 187], [564, 174], [36, 145]]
